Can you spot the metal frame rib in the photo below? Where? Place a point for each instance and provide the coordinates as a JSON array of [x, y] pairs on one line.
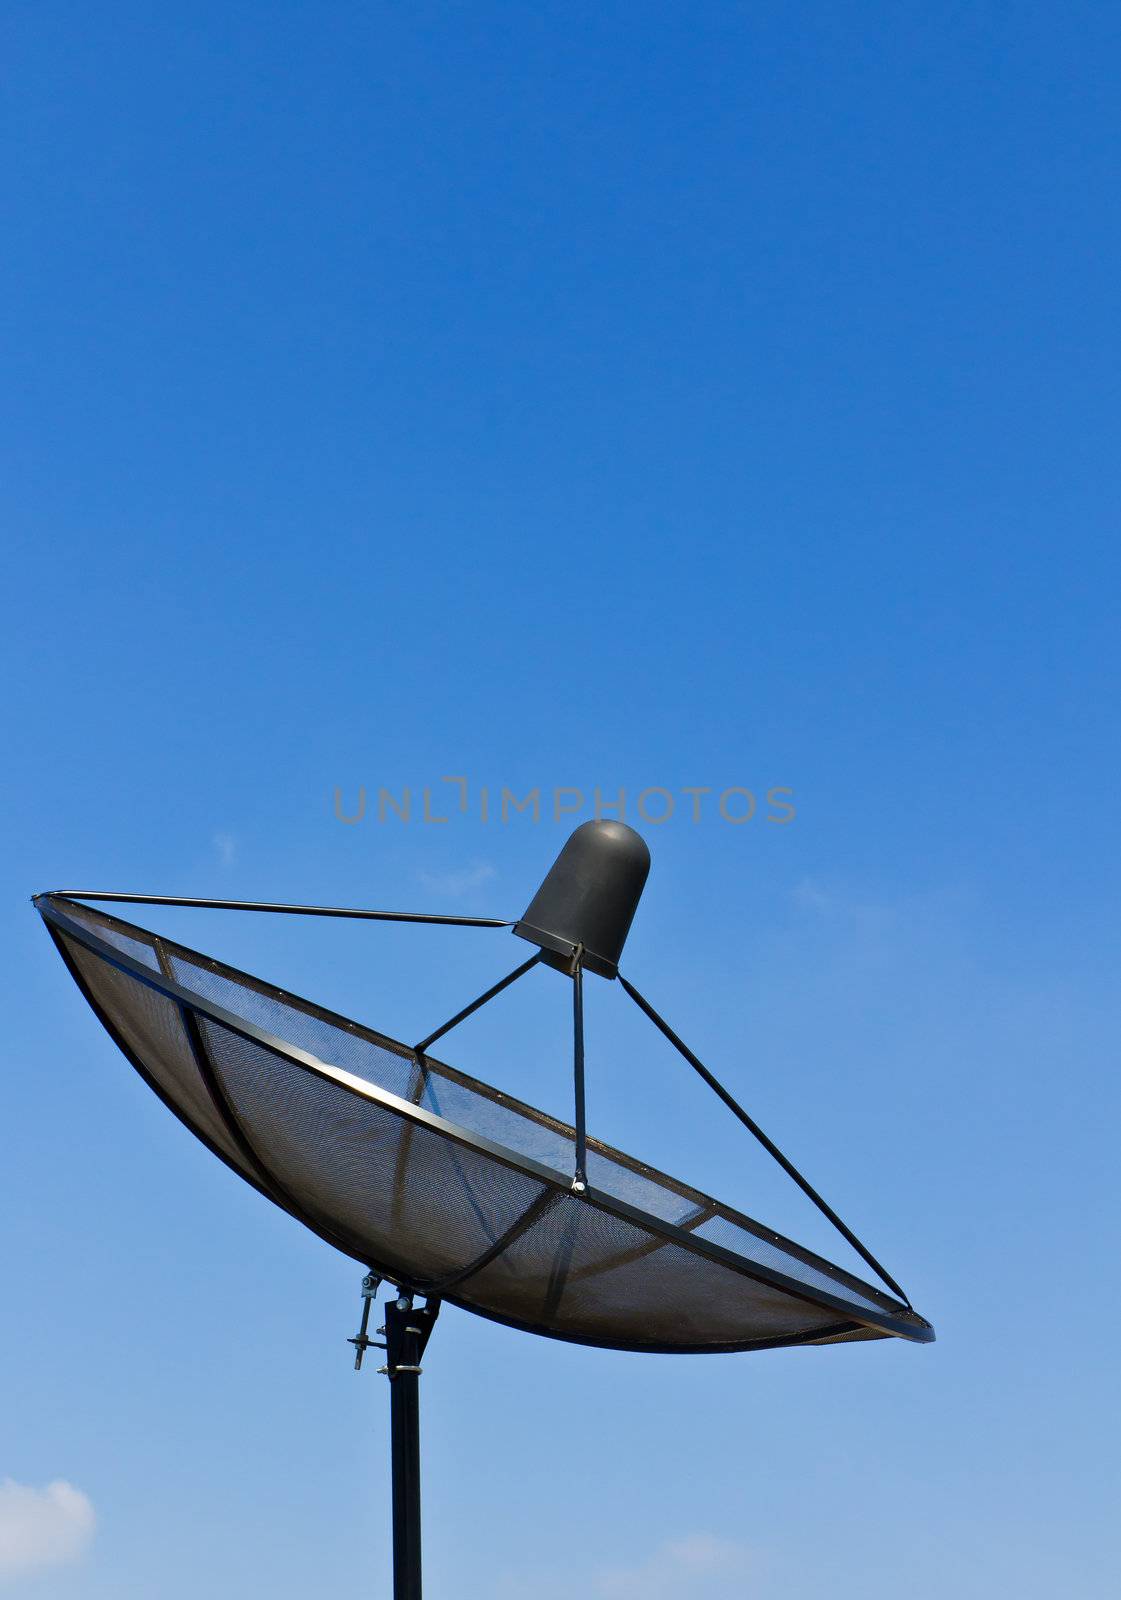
[[545, 1201], [771, 1148], [208, 1071]]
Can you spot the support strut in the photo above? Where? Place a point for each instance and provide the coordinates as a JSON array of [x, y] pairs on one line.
[[580, 1180], [769, 1146], [475, 1005]]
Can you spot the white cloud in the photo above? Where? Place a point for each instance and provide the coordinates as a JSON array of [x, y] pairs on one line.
[[42, 1527], [699, 1567], [226, 846], [455, 884], [810, 896]]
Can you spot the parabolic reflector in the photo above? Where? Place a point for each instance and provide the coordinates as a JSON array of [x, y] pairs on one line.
[[442, 1184]]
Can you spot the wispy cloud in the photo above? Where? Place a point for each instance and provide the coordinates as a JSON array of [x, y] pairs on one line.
[[810, 896], [226, 846], [42, 1527], [699, 1567], [844, 902], [457, 884]]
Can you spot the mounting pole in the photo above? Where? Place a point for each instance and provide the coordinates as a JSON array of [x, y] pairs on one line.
[[407, 1330]]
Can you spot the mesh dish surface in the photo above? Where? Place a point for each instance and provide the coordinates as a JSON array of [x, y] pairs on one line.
[[443, 1185]]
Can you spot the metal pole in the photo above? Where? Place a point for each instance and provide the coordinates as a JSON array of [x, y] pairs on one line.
[[405, 1407], [406, 1334]]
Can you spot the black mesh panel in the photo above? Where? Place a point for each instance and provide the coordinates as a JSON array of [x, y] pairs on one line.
[[581, 1271], [149, 1026], [423, 1214]]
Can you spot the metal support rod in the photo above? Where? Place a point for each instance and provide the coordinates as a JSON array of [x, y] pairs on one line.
[[406, 1331], [269, 905], [461, 1016], [580, 1182], [772, 1149], [362, 1341]]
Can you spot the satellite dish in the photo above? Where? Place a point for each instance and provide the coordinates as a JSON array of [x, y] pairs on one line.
[[446, 1188]]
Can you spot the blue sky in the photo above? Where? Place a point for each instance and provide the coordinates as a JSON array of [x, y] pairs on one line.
[[558, 396]]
